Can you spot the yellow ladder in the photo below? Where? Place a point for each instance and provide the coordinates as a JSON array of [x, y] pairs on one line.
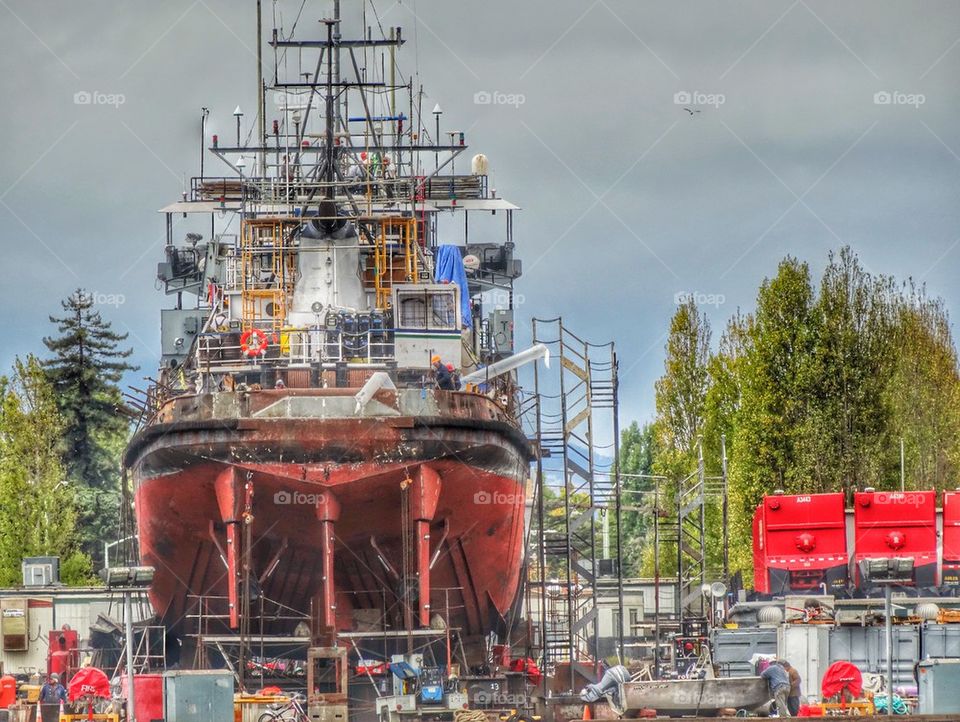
[[399, 231], [265, 299]]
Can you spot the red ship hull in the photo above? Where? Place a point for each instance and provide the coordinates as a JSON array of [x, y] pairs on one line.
[[335, 496]]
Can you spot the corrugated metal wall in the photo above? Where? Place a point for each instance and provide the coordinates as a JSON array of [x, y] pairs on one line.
[[866, 648], [940, 640], [807, 648], [732, 648]]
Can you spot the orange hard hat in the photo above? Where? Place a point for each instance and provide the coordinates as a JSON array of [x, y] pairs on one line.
[[434, 359]]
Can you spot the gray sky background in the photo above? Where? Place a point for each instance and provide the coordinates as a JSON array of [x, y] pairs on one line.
[[628, 199]]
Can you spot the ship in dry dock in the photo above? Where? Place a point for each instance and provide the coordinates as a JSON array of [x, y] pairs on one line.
[[297, 453]]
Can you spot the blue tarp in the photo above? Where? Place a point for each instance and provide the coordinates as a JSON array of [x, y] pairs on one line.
[[449, 267]]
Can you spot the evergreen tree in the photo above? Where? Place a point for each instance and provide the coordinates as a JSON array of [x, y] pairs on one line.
[[771, 379], [923, 394], [41, 522], [724, 393], [813, 392], [846, 436], [677, 429], [681, 391], [86, 366]]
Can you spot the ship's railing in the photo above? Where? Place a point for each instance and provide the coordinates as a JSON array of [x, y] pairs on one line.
[[215, 607], [220, 351], [295, 189]]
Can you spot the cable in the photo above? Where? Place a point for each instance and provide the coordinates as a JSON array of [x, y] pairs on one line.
[[469, 715]]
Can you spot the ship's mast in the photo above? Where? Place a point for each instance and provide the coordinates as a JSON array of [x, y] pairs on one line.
[[261, 164], [329, 175], [336, 36]]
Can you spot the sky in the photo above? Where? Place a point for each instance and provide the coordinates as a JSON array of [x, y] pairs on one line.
[[658, 149]]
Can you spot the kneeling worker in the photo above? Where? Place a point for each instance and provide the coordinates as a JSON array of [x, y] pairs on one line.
[[443, 377]]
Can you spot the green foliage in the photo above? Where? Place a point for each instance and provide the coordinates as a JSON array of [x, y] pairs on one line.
[[555, 514], [637, 453], [771, 375], [76, 570], [846, 434], [84, 370], [38, 517], [681, 391], [812, 392], [923, 393]]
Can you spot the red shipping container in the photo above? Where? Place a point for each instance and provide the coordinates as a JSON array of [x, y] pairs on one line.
[[799, 544], [951, 537], [63, 656], [893, 524], [148, 696]]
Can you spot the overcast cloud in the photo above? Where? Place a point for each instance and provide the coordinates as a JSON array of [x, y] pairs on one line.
[[629, 199]]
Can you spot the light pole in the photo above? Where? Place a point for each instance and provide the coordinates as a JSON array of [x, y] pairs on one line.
[[888, 633], [127, 581], [204, 112], [888, 572], [238, 114], [437, 112]]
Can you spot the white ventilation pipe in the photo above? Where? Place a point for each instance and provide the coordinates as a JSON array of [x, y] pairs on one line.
[[379, 380], [509, 364]]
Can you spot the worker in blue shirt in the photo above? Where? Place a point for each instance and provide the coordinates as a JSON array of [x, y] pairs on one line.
[[779, 682], [51, 695], [53, 692], [442, 375]]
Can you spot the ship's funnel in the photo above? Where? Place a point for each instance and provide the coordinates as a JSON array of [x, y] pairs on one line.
[[327, 271], [327, 223]]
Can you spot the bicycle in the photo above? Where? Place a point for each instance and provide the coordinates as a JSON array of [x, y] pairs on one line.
[[292, 710]]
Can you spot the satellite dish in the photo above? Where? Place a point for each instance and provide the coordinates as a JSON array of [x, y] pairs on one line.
[[316, 307], [718, 589], [471, 261]]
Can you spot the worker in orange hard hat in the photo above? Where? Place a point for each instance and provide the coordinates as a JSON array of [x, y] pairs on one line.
[[442, 375]]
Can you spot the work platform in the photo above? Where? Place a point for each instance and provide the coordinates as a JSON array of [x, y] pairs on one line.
[[869, 718]]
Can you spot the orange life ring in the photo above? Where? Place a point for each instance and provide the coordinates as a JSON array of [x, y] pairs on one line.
[[253, 342]]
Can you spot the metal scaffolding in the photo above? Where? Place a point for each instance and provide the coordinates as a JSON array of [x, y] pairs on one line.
[[681, 523], [577, 497]]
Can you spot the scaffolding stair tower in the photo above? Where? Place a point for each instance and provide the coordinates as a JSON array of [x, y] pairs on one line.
[[576, 433]]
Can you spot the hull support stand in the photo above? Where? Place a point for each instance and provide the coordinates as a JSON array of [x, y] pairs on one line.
[[328, 513], [424, 495], [229, 498]]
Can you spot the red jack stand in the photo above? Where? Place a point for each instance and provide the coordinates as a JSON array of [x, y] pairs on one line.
[[424, 496], [229, 500], [328, 512]]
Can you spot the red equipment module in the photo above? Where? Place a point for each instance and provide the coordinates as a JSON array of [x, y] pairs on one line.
[[63, 657], [951, 537], [799, 543], [897, 524]]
